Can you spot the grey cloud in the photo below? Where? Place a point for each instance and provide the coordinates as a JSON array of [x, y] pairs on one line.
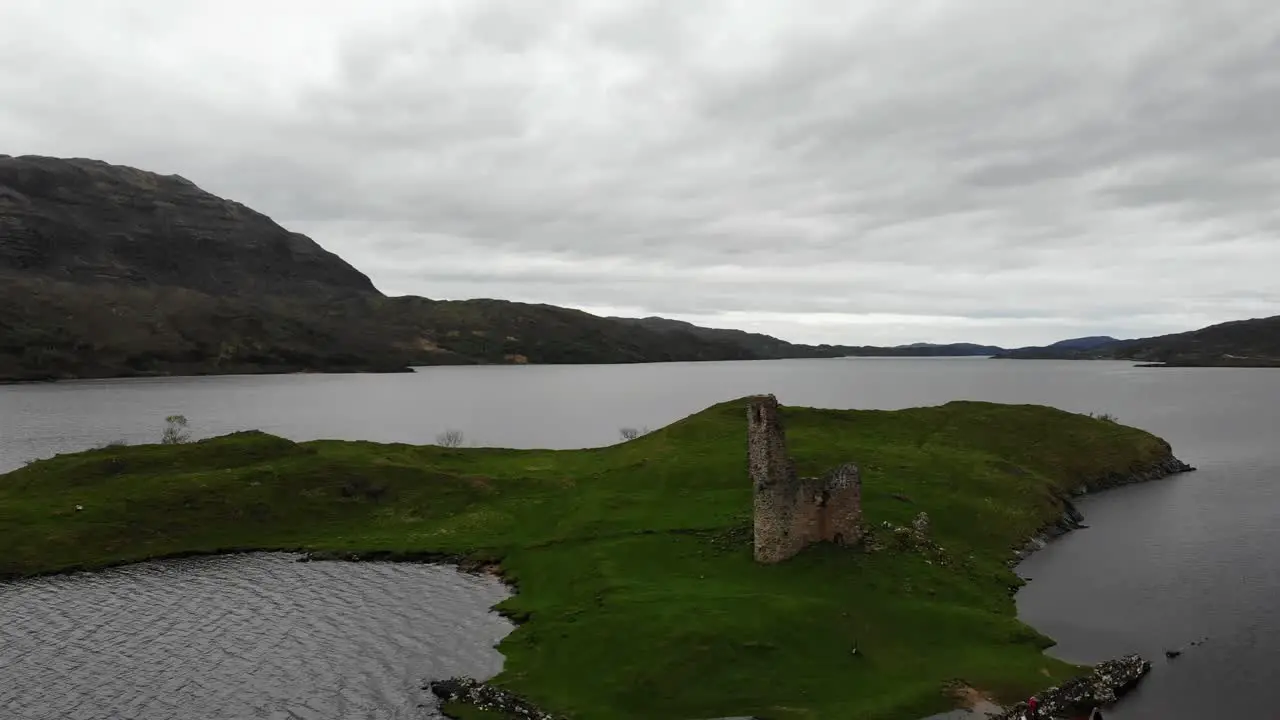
[[905, 168]]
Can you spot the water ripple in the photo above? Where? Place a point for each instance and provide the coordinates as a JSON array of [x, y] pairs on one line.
[[248, 636]]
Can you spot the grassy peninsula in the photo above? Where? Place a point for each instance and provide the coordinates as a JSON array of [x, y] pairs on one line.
[[637, 593]]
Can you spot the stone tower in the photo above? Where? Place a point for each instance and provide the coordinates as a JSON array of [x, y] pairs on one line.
[[790, 511]]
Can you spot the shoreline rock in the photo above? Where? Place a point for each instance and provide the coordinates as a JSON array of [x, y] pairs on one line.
[[1170, 465], [463, 563], [470, 691], [1076, 697]]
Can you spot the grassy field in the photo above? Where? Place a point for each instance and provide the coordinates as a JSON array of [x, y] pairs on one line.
[[638, 596]]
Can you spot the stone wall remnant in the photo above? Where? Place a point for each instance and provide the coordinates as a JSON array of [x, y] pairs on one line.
[[792, 512]]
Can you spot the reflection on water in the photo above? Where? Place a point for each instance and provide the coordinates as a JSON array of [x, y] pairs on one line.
[[246, 636]]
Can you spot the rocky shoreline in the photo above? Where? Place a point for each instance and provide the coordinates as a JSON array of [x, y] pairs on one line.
[[469, 691], [1103, 686], [1073, 519], [463, 562], [1170, 465], [1077, 697]]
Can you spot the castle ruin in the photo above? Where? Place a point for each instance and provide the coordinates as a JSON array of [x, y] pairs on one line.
[[792, 512]]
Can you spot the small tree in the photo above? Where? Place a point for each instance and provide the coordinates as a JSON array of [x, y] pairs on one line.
[[450, 438], [175, 430]]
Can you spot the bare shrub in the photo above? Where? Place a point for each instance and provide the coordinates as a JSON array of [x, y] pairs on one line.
[[450, 438], [1106, 417], [175, 430], [630, 433]]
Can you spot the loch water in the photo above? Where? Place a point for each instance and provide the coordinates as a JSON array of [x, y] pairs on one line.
[[243, 636], [1194, 558]]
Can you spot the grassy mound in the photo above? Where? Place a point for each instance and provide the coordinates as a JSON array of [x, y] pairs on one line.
[[638, 596]]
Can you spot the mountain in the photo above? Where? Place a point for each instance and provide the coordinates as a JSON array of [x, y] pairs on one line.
[[1240, 343], [108, 271], [84, 221]]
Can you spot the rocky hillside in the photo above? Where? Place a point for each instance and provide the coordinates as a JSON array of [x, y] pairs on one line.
[[111, 271], [84, 221]]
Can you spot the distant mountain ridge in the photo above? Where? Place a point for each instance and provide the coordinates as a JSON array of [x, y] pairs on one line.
[[109, 271], [769, 347], [1239, 343]]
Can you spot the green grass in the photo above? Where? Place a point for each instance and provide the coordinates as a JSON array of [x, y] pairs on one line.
[[638, 594]]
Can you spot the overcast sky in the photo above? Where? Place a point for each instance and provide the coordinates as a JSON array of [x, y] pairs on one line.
[[861, 172]]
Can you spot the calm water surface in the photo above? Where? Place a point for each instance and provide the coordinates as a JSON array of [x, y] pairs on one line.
[[1161, 565]]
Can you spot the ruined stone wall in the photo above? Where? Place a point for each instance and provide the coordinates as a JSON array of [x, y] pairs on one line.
[[792, 512], [830, 508], [773, 477]]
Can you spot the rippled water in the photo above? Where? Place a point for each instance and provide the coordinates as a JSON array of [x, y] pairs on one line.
[[1161, 565], [256, 636]]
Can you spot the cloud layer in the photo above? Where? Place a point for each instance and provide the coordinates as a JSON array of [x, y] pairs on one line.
[[870, 172]]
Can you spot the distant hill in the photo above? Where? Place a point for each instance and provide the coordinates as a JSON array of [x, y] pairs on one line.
[[1071, 349], [756, 344], [108, 271], [1085, 343], [769, 347], [934, 350], [1240, 343]]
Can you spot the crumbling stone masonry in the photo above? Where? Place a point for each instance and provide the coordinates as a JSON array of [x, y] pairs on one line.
[[792, 512]]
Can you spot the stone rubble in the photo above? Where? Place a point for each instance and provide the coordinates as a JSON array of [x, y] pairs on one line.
[[912, 539], [1078, 696], [472, 692]]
